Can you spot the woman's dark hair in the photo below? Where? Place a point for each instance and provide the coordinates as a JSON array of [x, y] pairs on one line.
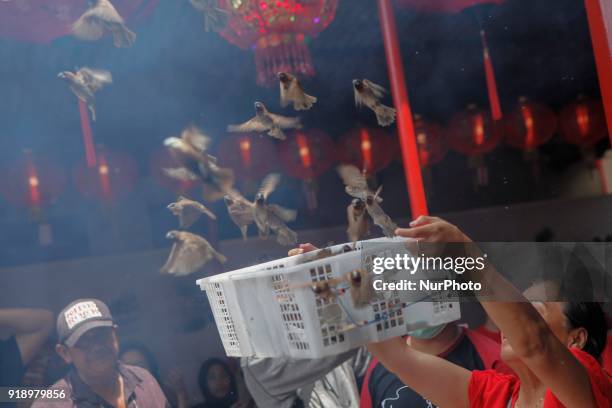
[[142, 349], [591, 317], [232, 396]]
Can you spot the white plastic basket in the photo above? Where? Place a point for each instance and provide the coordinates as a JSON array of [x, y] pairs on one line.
[[270, 310]]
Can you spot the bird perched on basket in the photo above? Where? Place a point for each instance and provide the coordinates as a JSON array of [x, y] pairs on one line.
[[291, 91], [267, 217], [369, 94], [357, 186], [189, 211], [190, 152], [359, 286], [85, 82], [215, 18], [358, 222], [264, 121], [100, 18], [189, 253]]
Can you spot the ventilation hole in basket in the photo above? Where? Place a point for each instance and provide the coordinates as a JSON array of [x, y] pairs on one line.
[[378, 327], [326, 342], [341, 337]]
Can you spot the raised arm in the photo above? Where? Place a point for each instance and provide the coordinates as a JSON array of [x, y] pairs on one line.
[[525, 329], [31, 328], [438, 380]]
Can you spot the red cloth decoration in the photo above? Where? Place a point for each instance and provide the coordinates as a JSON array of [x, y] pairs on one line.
[[306, 156], [251, 156], [42, 21], [583, 123], [160, 160], [530, 125], [491, 83], [369, 149], [32, 181], [115, 174], [455, 6], [90, 151], [277, 31]]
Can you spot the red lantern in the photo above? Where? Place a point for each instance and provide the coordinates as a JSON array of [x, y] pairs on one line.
[[368, 149], [431, 142], [249, 155], [32, 181], [473, 133], [277, 31], [306, 156], [42, 21], [160, 160], [455, 6], [115, 174], [583, 123], [530, 125]]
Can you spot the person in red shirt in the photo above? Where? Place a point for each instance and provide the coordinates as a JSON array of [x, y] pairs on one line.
[[552, 347]]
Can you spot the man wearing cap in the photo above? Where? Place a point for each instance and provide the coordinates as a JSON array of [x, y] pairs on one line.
[[87, 339]]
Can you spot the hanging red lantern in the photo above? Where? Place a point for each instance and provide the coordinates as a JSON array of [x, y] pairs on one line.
[[530, 125], [306, 156], [249, 155], [583, 123], [115, 174], [34, 182], [42, 21], [277, 30], [160, 160], [368, 149], [473, 133], [455, 6], [431, 142]]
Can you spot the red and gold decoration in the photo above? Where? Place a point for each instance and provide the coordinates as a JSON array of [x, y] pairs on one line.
[[34, 182], [114, 175], [455, 6], [277, 31], [251, 156], [369, 149], [305, 156], [432, 145], [474, 133], [42, 21], [527, 127]]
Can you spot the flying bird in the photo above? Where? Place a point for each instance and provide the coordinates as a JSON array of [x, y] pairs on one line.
[[358, 223], [264, 121], [189, 211], [100, 18], [85, 82], [215, 19], [369, 94], [190, 152], [240, 210], [356, 184], [379, 217], [272, 217], [291, 91], [189, 253]]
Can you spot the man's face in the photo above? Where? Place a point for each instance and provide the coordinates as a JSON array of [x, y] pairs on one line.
[[95, 354]]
